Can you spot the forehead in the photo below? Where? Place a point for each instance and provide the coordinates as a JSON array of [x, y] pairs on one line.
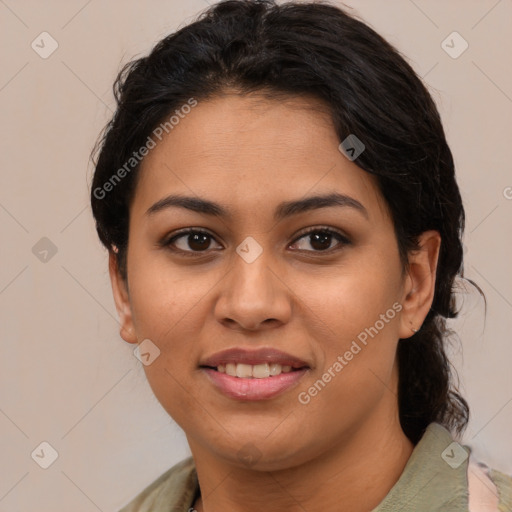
[[251, 151]]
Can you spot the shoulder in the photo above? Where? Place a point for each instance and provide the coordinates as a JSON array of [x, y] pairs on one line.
[[173, 490], [487, 489], [442, 475]]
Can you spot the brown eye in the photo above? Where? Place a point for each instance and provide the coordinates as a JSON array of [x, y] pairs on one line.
[[190, 241], [320, 240]]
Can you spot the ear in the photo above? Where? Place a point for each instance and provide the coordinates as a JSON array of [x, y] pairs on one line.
[[122, 300], [420, 283]]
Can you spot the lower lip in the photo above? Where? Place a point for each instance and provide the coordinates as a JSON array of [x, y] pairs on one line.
[[254, 389]]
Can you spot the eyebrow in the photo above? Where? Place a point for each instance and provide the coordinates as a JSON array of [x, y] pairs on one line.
[[283, 210]]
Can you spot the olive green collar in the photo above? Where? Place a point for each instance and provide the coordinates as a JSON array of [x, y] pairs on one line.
[[434, 478]]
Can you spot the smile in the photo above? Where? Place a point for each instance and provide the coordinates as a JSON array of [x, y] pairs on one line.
[[253, 374], [253, 388]]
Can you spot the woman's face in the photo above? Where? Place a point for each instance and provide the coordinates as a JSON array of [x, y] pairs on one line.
[[329, 301]]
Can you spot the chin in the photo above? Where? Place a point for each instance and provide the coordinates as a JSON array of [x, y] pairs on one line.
[[259, 454]]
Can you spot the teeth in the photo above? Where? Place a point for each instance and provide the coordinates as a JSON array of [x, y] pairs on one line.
[[231, 369], [256, 371], [243, 370], [275, 369], [260, 371]]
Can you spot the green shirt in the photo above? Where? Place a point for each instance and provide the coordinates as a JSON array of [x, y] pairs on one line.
[[435, 479]]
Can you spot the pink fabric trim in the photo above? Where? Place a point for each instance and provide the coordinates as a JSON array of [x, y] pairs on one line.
[[483, 494]]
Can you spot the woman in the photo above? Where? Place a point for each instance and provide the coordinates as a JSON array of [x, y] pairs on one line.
[[284, 229]]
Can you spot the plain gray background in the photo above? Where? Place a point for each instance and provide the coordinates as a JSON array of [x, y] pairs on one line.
[[67, 378]]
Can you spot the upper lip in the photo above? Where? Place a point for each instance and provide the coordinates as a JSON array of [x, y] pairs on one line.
[[252, 357]]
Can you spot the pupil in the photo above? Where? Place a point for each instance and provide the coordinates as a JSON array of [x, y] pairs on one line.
[[321, 239], [200, 241]]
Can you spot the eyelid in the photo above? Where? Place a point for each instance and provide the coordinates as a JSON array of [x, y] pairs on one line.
[[328, 229], [168, 240]]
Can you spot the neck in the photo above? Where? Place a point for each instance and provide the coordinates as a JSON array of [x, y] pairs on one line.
[[357, 473]]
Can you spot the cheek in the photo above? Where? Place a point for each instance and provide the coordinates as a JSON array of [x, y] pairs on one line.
[[358, 310], [168, 305], [349, 299], [355, 372], [163, 295]]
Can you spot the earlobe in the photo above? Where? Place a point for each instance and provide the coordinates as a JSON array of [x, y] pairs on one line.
[[420, 283], [122, 301]]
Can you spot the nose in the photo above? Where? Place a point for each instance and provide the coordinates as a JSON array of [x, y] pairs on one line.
[[254, 295]]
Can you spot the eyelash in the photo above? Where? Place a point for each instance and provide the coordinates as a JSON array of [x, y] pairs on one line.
[[342, 239]]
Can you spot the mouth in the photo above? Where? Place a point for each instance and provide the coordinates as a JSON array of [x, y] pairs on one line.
[[261, 374]]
